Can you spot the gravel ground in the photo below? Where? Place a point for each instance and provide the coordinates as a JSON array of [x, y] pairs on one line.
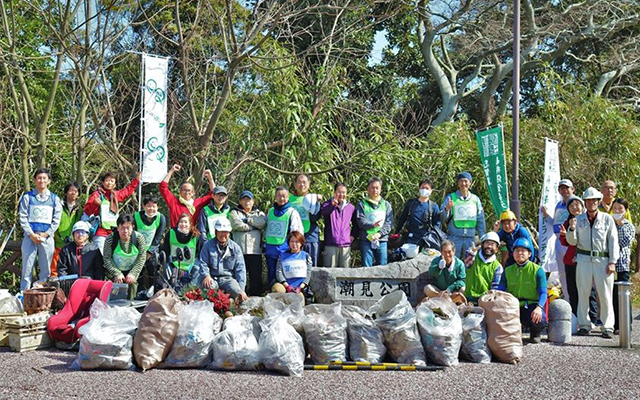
[[589, 367]]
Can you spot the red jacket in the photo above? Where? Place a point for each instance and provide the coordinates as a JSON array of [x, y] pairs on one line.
[[91, 208], [570, 255], [176, 208]]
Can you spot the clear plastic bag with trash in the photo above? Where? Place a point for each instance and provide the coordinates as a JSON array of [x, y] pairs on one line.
[[107, 338], [11, 305], [236, 347], [281, 346], [474, 335], [441, 330], [198, 324], [397, 320], [325, 331], [277, 303], [366, 341]]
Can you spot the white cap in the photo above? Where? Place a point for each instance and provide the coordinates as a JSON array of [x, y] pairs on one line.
[[223, 225], [490, 236], [81, 226], [591, 193], [565, 182]]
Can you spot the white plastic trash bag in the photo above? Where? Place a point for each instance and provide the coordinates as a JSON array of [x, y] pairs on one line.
[[474, 335], [325, 331], [107, 338], [236, 347], [397, 321], [281, 347], [11, 305], [198, 324], [441, 330], [277, 303], [366, 341]]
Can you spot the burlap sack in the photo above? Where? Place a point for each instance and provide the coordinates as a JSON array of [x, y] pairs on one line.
[[504, 333], [157, 329]]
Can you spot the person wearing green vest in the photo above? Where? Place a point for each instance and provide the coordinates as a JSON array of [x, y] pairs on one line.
[[216, 209], [182, 246], [71, 213], [527, 281], [375, 220], [447, 272], [463, 215], [124, 254], [282, 219], [308, 206], [485, 272], [150, 224]]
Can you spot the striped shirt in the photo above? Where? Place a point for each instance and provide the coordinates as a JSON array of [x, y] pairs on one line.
[[626, 233]]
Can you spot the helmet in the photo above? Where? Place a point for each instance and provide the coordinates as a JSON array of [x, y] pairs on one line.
[[591, 193], [410, 250], [81, 226], [223, 225], [490, 236], [524, 243], [507, 215]]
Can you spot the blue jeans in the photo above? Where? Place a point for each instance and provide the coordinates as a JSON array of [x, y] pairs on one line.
[[368, 253], [462, 244], [44, 253], [312, 248]]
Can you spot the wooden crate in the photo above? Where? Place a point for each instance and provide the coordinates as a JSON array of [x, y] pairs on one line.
[[4, 334], [27, 339]]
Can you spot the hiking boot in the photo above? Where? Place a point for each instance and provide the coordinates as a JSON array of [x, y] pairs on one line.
[[535, 339], [607, 334], [582, 332]]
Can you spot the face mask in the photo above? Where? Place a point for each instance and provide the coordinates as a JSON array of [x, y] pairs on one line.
[[617, 216], [425, 192]]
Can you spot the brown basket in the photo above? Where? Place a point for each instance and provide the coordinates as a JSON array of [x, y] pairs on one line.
[[38, 299]]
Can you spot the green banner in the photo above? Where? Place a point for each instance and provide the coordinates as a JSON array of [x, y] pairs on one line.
[[491, 146]]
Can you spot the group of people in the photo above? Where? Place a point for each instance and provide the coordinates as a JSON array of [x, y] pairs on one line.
[[214, 245]]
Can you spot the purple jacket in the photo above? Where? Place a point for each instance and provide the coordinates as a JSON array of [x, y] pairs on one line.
[[339, 224]]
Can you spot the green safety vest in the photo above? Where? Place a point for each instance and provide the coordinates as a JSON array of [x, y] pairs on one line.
[[212, 217], [521, 281], [465, 212], [148, 231], [277, 227], [297, 204], [479, 277], [66, 225], [372, 215], [174, 244], [124, 261], [108, 219]]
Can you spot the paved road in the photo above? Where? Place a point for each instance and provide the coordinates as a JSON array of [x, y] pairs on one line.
[[590, 367]]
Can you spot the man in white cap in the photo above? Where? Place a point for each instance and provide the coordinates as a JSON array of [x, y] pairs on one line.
[[221, 264], [463, 214], [596, 237], [486, 270], [566, 190], [81, 257]]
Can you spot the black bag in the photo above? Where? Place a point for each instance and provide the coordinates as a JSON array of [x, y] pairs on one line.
[[434, 236]]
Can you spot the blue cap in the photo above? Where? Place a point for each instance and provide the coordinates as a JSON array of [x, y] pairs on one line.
[[246, 193], [524, 243], [465, 175]]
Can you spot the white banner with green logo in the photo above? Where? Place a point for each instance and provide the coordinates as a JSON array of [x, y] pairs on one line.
[[154, 144], [491, 146], [549, 199]]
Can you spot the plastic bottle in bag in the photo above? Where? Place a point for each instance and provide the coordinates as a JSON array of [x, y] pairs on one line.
[[281, 346], [325, 331]]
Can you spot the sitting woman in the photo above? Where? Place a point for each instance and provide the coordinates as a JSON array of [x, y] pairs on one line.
[[294, 267], [182, 246], [81, 257]]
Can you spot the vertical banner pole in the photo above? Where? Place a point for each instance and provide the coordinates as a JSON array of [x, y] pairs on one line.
[[140, 166]]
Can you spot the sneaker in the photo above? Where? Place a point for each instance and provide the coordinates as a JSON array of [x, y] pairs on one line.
[[583, 332], [535, 339], [607, 334]]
